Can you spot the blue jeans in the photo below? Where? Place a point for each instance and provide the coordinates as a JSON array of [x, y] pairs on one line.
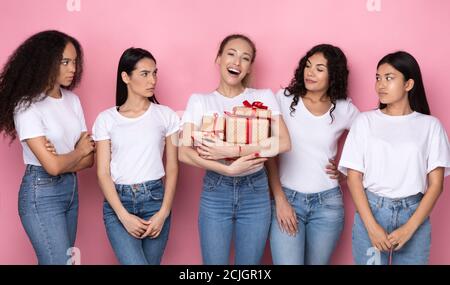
[[321, 220], [234, 208], [48, 210], [391, 214], [142, 200]]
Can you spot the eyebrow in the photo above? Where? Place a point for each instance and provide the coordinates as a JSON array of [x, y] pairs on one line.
[[249, 54], [320, 64], [145, 70], [389, 73]]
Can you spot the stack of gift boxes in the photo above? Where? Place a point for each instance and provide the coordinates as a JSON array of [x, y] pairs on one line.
[[246, 125]]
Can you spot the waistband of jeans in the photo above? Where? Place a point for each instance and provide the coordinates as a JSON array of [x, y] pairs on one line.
[[29, 168], [385, 201], [322, 194], [216, 176], [147, 185]]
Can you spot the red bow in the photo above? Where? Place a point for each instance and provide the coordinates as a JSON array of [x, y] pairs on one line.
[[255, 105]]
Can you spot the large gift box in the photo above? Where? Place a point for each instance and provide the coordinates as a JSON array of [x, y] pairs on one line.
[[248, 124]]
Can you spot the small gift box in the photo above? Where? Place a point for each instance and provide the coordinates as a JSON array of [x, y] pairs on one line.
[[248, 124], [199, 137], [214, 124], [255, 109]]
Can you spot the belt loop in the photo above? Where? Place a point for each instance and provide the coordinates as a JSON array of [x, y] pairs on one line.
[[404, 203], [145, 186], [320, 198], [380, 202]]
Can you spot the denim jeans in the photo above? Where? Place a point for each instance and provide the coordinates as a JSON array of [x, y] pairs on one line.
[[234, 208], [321, 221], [48, 210], [391, 214], [142, 200]]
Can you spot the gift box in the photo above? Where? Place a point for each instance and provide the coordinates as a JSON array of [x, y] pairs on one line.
[[199, 137], [246, 130], [256, 109], [214, 124]]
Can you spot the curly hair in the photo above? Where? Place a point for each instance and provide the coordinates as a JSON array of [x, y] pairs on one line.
[[337, 76], [31, 70]]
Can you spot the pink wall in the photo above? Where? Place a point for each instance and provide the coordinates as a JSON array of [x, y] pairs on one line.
[[184, 36]]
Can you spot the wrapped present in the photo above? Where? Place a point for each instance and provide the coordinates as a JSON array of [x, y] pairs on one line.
[[246, 130], [201, 136], [248, 124], [255, 109], [214, 124]]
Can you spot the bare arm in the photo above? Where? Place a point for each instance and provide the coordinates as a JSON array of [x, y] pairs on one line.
[[188, 155], [58, 164], [286, 216], [157, 220], [377, 234], [134, 225], [435, 186], [278, 142]]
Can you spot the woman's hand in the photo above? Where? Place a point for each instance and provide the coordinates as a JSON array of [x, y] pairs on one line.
[[156, 223], [379, 238], [49, 146], [400, 236], [245, 163], [286, 217], [85, 144], [332, 170], [211, 147], [134, 225]]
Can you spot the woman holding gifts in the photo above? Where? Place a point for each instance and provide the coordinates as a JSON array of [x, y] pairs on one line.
[[37, 106], [396, 157], [235, 202], [308, 215], [131, 140]]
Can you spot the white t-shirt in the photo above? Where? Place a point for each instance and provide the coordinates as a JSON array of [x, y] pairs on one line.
[[395, 153], [208, 104], [137, 144], [313, 141], [60, 120]]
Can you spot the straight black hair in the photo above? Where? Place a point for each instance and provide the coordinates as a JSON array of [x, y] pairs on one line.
[[127, 63], [407, 65]]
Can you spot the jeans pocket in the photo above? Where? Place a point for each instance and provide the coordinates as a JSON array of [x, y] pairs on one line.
[[209, 184], [260, 184], [334, 202], [47, 180], [157, 193]]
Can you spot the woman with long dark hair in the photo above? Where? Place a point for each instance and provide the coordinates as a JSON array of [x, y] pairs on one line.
[[37, 106], [131, 140], [308, 215], [396, 157]]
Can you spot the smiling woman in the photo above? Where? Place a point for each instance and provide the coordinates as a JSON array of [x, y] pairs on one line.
[[223, 211]]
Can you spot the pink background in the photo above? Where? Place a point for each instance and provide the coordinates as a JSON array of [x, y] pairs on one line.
[[184, 37]]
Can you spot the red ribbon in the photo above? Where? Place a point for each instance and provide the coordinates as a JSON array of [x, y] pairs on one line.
[[255, 105]]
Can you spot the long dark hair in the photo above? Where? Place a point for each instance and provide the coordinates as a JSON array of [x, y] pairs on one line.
[[127, 63], [407, 65], [246, 80], [337, 76], [31, 70]]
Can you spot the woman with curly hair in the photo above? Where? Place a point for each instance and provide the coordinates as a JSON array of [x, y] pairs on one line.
[[308, 215], [37, 106]]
